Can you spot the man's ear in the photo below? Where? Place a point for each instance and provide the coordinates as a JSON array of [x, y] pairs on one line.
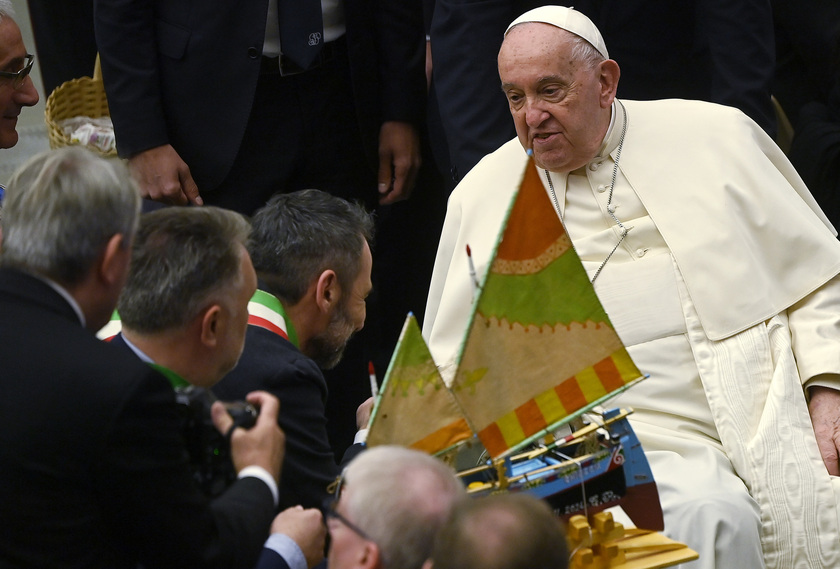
[[609, 75], [114, 262], [371, 557], [327, 291], [213, 323]]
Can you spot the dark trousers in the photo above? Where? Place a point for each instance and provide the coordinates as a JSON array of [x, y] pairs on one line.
[[302, 133], [64, 42]]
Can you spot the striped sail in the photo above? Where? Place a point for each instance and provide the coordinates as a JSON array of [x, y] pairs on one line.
[[540, 347], [414, 407], [538, 351]]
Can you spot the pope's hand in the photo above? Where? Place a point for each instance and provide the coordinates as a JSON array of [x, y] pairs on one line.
[[825, 415]]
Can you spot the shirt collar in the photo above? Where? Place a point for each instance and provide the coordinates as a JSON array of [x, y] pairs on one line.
[[66, 296], [175, 379]]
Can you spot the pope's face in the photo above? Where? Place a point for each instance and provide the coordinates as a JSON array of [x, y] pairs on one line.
[[560, 104], [12, 59]]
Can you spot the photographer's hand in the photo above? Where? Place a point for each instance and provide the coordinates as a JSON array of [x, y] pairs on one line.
[[264, 444]]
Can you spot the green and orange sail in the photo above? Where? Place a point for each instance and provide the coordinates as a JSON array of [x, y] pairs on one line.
[[539, 349]]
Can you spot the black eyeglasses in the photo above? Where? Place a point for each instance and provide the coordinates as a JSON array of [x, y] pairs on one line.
[[18, 77], [330, 512]]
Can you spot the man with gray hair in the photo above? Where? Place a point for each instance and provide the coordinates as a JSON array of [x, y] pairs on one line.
[[185, 303], [92, 469], [502, 531], [16, 87], [392, 501], [184, 311]]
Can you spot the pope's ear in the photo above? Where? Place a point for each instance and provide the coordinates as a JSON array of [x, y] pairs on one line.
[[327, 291], [609, 75]]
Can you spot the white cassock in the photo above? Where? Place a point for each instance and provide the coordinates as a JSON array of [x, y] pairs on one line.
[[725, 291]]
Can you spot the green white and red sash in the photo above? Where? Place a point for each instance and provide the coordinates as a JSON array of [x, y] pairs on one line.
[[266, 311]]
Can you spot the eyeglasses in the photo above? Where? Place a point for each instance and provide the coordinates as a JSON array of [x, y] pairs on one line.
[[18, 77], [330, 512]]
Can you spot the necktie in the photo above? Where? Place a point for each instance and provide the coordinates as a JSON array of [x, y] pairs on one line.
[[301, 30]]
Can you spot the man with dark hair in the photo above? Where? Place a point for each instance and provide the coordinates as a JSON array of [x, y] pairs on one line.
[[504, 531], [312, 256], [92, 468]]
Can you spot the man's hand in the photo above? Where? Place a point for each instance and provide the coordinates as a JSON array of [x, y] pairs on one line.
[[164, 177], [399, 161], [825, 415], [306, 528], [363, 414], [264, 444]]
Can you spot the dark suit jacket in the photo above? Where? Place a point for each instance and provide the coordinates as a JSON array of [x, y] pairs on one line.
[[270, 559], [272, 363], [93, 472], [185, 72]]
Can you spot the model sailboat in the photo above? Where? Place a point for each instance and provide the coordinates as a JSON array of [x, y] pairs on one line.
[[539, 351]]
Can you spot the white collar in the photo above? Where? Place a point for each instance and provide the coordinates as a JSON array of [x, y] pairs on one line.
[[66, 296]]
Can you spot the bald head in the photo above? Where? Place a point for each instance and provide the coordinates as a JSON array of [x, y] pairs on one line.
[[479, 534]]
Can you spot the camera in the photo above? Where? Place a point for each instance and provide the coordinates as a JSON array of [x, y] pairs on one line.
[[208, 449], [243, 413]]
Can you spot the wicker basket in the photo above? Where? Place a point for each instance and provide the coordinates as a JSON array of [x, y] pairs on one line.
[[84, 96]]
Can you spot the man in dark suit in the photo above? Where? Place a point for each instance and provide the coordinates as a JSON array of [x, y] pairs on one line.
[[202, 102], [312, 257], [185, 303], [184, 310], [93, 471], [207, 97], [64, 40]]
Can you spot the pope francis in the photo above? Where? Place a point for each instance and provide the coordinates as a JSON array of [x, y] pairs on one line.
[[718, 270]]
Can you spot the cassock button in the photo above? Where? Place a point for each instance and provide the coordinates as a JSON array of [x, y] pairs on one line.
[[641, 252], [602, 188], [594, 166]]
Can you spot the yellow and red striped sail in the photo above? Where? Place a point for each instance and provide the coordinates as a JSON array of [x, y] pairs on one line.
[[540, 346], [539, 349], [414, 408]]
